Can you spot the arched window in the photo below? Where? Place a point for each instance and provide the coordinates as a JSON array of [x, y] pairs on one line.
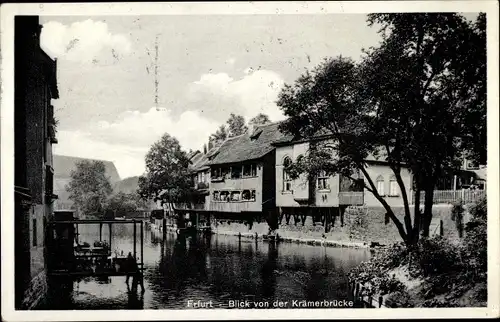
[[380, 185], [393, 187], [287, 181]]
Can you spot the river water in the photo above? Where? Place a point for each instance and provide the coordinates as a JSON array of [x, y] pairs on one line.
[[218, 271]]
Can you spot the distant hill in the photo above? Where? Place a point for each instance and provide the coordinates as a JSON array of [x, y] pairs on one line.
[[63, 165], [127, 185]]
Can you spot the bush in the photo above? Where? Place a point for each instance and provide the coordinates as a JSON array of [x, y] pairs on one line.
[[400, 299], [474, 252], [436, 256]]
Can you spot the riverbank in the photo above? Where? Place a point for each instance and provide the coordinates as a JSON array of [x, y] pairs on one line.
[[436, 272], [359, 228]]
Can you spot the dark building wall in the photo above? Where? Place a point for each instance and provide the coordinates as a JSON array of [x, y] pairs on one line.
[[35, 86]]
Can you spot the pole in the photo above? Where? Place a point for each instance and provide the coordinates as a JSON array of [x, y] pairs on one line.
[[142, 243], [135, 234], [164, 224], [100, 232], [110, 238]]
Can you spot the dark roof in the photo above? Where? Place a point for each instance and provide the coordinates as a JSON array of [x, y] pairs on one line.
[[243, 147], [193, 154], [200, 162]]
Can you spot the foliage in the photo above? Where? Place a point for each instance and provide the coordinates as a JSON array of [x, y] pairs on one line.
[[475, 242], [437, 256], [457, 215], [125, 202], [259, 119], [167, 177], [236, 125], [400, 299], [89, 187], [218, 137], [407, 102], [452, 275]]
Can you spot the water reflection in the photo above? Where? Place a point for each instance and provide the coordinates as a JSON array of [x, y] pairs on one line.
[[217, 269]]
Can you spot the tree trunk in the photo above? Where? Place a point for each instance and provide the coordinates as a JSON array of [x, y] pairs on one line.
[[407, 218], [417, 215]]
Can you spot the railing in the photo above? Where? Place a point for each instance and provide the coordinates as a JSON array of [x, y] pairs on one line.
[[451, 196], [195, 206], [354, 198]]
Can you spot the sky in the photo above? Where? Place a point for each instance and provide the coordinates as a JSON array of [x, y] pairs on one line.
[[207, 68]]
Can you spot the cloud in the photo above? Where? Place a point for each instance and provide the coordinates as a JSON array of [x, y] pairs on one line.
[[83, 41], [218, 94], [128, 160], [127, 140], [231, 61]]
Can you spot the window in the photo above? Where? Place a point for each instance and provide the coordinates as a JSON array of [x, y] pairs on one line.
[[245, 195], [393, 187], [235, 196], [323, 183], [236, 172], [380, 186], [287, 181], [250, 170], [35, 235], [216, 196], [224, 196], [248, 195], [216, 173]]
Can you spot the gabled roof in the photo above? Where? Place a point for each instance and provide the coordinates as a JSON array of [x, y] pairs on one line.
[[200, 161], [248, 146], [63, 165]]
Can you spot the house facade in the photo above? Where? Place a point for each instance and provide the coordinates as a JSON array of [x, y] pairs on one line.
[[330, 194], [242, 179], [34, 128]]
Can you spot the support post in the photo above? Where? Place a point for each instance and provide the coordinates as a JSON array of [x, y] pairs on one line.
[[164, 224], [100, 232], [110, 237], [142, 245], [135, 237]]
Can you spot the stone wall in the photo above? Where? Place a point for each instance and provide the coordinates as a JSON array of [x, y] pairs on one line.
[[35, 292], [361, 226]]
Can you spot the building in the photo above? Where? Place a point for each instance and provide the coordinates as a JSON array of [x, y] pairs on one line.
[[324, 196], [63, 165], [34, 126], [242, 174]]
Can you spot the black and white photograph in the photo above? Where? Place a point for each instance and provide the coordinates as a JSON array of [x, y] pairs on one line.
[[250, 160]]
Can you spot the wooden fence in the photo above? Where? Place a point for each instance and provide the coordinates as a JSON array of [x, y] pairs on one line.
[[451, 196]]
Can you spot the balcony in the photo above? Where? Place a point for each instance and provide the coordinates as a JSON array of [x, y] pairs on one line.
[[202, 186], [189, 206], [351, 198]]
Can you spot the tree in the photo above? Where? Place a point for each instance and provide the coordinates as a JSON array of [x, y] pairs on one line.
[[218, 137], [404, 102], [260, 119], [167, 177], [89, 187], [236, 125], [435, 65], [125, 202]]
